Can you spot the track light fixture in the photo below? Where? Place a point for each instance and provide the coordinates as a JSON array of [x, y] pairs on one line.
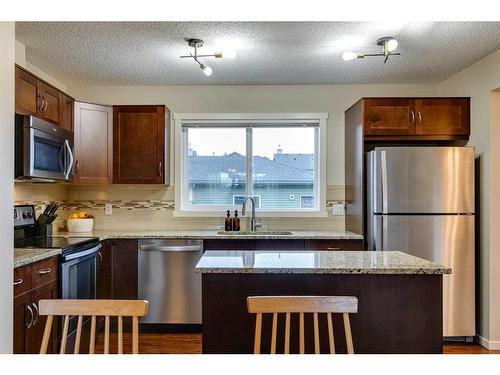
[[198, 43], [389, 44]]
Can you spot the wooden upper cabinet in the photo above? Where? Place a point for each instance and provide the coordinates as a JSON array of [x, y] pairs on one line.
[[442, 116], [37, 98], [51, 103], [93, 143], [139, 144], [416, 118], [67, 112], [28, 101], [394, 116]]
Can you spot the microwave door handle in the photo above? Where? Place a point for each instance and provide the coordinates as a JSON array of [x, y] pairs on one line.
[[71, 160]]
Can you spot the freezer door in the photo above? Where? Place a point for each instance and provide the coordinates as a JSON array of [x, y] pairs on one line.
[[444, 239], [422, 179]]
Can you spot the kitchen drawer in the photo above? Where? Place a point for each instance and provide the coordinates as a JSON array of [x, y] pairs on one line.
[[43, 272], [21, 280], [334, 245]]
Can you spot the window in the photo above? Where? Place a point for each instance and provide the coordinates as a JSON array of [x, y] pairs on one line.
[[238, 200], [278, 161]]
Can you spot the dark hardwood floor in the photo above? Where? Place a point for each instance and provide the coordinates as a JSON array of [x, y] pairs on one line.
[[190, 343]]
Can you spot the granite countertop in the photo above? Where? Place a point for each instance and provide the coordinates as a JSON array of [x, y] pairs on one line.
[[332, 262], [26, 256], [213, 234]]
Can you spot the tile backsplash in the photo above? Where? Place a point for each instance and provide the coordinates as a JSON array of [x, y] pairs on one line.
[[150, 207]]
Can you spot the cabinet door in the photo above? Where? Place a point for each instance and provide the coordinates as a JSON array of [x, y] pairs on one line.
[[93, 143], [28, 102], [389, 116], [35, 332], [104, 274], [123, 263], [138, 144], [66, 116], [51, 103], [22, 319], [442, 116]]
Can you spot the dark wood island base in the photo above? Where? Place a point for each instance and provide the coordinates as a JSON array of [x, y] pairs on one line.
[[397, 313]]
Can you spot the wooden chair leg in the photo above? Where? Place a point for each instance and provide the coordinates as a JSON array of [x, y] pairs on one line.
[[46, 334]]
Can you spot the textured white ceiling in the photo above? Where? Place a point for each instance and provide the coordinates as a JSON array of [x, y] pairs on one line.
[[133, 53]]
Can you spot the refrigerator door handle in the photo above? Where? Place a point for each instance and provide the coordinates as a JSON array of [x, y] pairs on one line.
[[383, 167], [377, 243], [384, 233]]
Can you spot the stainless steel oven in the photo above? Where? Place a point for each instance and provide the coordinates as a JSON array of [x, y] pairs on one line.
[[78, 277], [42, 150], [79, 272]]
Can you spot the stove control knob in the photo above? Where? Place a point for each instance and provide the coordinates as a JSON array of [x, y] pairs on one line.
[[24, 215], [29, 215]]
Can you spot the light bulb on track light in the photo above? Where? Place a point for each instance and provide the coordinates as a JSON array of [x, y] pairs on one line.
[[347, 56], [392, 44], [206, 70]]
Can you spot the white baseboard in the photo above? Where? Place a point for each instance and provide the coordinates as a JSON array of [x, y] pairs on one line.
[[488, 344]]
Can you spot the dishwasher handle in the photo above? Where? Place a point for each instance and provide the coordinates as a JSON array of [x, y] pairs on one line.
[[171, 248]]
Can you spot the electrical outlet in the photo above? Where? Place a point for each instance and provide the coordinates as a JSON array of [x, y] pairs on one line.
[[108, 209], [338, 209]]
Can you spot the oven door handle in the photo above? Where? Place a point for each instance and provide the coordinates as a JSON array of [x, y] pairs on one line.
[[83, 253]]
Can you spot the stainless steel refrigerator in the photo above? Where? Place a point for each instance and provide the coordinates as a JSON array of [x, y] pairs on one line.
[[421, 201]]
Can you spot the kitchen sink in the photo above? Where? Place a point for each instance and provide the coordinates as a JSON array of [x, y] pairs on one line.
[[255, 233]]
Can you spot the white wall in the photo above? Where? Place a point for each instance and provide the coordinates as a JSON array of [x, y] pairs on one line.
[[6, 181], [21, 60], [478, 81], [334, 99]]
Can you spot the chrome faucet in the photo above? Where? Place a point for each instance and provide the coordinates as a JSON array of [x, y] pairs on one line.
[[253, 222]]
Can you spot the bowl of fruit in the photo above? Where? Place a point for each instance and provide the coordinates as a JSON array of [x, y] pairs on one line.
[[80, 222]]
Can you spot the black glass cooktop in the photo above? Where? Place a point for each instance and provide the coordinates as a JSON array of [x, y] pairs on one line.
[[66, 244]]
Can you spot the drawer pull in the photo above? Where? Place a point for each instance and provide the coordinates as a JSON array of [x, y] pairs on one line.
[[43, 272], [334, 248], [18, 282]]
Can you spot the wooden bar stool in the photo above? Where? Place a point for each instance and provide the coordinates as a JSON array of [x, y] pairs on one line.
[[92, 308], [302, 304]]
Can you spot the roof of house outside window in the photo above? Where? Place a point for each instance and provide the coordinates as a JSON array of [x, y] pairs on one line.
[[284, 169]]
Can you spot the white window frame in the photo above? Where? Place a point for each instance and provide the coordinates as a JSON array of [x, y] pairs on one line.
[[206, 119]]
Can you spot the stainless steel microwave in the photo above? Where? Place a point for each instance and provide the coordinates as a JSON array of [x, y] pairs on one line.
[[43, 151]]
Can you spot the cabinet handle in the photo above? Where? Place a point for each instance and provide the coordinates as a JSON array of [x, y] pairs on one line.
[[45, 104], [412, 117], [419, 117], [18, 282], [39, 102], [31, 317], [43, 272], [100, 258], [159, 168], [77, 166], [35, 307], [334, 248]]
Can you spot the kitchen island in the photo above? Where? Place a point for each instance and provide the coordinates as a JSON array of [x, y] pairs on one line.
[[400, 302]]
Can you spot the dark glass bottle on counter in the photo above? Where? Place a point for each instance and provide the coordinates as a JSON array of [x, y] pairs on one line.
[[236, 222], [228, 222]]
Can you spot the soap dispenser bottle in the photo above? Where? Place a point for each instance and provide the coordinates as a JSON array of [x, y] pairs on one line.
[[236, 222], [228, 222]]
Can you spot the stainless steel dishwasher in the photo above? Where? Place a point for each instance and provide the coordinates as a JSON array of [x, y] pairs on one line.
[[167, 279]]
